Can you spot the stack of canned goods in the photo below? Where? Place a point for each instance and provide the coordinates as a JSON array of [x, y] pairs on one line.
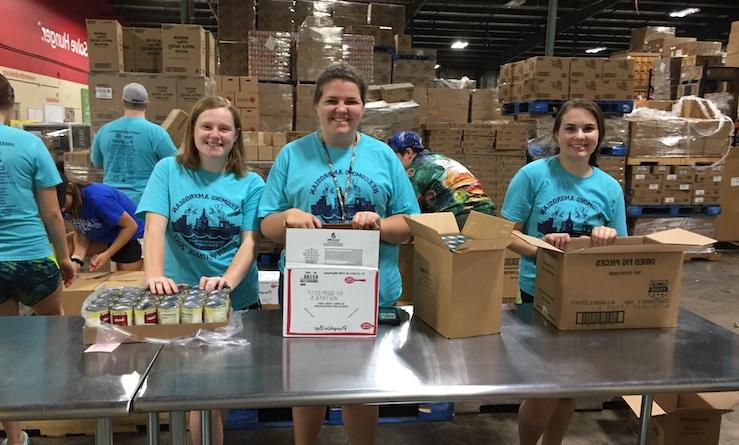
[[126, 306]]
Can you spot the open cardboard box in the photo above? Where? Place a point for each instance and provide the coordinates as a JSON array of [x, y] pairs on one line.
[[75, 294], [635, 282], [459, 293], [686, 419]]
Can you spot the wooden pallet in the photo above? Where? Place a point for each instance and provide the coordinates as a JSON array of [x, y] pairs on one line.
[[639, 160], [61, 428]]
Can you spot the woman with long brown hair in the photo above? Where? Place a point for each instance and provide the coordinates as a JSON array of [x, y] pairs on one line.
[[102, 214]]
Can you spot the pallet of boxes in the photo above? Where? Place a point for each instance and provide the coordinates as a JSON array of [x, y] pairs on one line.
[[675, 176]]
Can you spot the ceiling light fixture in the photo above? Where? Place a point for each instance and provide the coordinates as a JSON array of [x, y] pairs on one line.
[[596, 50], [437, 66], [460, 44], [684, 12], [514, 3]]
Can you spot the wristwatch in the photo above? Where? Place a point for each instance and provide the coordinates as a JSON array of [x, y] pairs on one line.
[[78, 260]]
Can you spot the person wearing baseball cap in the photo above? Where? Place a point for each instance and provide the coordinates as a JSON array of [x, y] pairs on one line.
[[441, 183], [128, 148]]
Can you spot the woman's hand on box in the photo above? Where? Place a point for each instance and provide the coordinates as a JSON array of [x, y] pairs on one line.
[[298, 219], [558, 240], [602, 236], [161, 285], [366, 220]]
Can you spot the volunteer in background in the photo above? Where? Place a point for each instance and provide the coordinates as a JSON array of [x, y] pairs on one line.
[[103, 214], [555, 199], [338, 175], [441, 183], [201, 219], [29, 219], [128, 148]]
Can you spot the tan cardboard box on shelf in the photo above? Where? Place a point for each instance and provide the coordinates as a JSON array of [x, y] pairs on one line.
[[686, 418], [474, 272], [105, 45], [633, 283], [184, 50], [176, 126]]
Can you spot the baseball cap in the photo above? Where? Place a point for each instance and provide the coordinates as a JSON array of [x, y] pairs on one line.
[[135, 93], [405, 139]]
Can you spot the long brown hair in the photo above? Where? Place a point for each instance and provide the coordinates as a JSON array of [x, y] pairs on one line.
[[594, 110], [74, 189], [190, 158]]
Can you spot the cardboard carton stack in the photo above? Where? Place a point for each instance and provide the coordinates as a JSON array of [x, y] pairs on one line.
[[614, 166], [142, 50], [444, 138], [421, 97], [349, 13], [701, 224], [105, 43], [666, 77], [732, 48], [511, 140], [270, 55], [382, 56], [643, 63], [305, 114], [382, 119], [236, 19], [384, 14], [277, 15], [263, 145], [243, 93], [278, 116], [617, 80], [484, 105], [673, 185], [358, 52], [448, 105], [319, 44], [415, 66], [545, 78], [184, 50]]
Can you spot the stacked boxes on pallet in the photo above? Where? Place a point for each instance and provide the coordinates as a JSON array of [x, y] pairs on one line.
[[270, 55], [243, 93], [236, 18]]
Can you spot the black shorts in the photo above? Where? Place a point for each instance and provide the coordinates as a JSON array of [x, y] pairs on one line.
[[28, 281], [526, 298], [129, 253]]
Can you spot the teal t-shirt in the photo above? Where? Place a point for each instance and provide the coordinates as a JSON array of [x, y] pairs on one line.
[[546, 198], [207, 213], [300, 179], [128, 149], [25, 165]]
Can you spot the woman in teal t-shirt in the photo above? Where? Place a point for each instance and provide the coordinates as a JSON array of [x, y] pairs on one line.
[[29, 219], [555, 199], [201, 219]]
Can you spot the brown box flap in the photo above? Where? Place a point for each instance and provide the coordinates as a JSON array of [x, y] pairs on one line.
[[680, 237]]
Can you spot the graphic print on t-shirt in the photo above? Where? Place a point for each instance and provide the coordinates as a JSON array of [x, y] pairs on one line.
[[326, 204], [205, 223], [570, 214]]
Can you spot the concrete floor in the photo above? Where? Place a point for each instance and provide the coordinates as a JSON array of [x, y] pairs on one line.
[[709, 289]]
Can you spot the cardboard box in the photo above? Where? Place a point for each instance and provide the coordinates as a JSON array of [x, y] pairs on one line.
[[184, 50], [622, 69], [176, 126], [74, 295], [190, 89], [331, 274], [269, 284], [105, 45], [511, 290], [147, 48], [397, 92], [129, 55], [233, 58], [586, 67], [545, 68], [635, 282], [726, 227], [687, 418], [403, 43], [139, 332], [474, 269]]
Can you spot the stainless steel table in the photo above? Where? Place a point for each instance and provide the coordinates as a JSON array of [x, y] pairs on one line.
[[45, 374], [412, 363]]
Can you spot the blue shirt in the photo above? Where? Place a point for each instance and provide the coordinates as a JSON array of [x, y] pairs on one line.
[[546, 198], [102, 208], [128, 149], [207, 213], [25, 165], [300, 179]]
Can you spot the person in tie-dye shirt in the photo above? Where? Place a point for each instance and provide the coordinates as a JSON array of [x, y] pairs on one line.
[[441, 183]]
